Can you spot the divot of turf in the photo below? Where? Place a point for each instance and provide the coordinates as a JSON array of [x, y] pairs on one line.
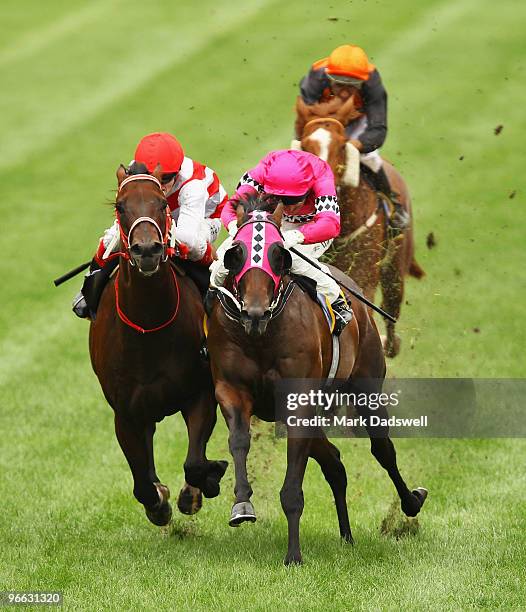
[[396, 525]]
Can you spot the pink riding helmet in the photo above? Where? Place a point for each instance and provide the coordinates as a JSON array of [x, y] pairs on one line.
[[288, 173]]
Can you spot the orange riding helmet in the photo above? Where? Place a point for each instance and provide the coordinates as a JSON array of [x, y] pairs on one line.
[[160, 148], [347, 61]]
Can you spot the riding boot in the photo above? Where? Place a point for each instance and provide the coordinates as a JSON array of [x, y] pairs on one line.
[[86, 302], [342, 313], [399, 218], [209, 300]]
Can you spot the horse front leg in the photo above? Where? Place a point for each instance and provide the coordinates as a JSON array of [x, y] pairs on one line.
[[291, 494], [237, 411], [136, 442], [200, 473]]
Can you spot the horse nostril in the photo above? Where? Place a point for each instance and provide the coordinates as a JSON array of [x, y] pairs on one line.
[[152, 249]]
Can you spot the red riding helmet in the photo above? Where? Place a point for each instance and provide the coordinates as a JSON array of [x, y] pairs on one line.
[[160, 148]]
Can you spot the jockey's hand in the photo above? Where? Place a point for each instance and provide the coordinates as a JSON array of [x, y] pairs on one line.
[[356, 143], [292, 238], [232, 228], [182, 250]]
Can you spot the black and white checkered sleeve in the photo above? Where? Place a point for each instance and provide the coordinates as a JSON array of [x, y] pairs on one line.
[[246, 179], [327, 203]]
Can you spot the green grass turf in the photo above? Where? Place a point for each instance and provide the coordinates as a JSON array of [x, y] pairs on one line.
[[82, 82]]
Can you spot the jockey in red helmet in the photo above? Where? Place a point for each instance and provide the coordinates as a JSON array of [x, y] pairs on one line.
[[195, 197], [347, 72], [311, 218]]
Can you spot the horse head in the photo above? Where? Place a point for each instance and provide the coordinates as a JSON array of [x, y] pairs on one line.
[[143, 217], [322, 130], [257, 261]]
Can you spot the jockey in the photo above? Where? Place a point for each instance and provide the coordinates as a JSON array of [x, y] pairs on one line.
[[195, 197], [311, 218], [347, 72]]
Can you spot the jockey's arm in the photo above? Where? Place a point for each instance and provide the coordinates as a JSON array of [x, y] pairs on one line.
[[313, 85], [248, 185], [375, 103], [192, 200], [326, 223]]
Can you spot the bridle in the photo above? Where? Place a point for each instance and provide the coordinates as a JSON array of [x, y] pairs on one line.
[[168, 241], [232, 302]]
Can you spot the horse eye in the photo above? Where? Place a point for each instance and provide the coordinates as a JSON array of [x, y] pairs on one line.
[[119, 207]]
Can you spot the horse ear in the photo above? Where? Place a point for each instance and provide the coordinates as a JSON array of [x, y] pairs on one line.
[[240, 214], [279, 258], [158, 172], [277, 215], [121, 174], [235, 257]]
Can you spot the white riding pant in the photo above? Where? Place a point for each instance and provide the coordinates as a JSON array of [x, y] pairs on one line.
[[325, 285], [372, 159]]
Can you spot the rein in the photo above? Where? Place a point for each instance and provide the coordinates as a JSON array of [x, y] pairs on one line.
[[133, 325]]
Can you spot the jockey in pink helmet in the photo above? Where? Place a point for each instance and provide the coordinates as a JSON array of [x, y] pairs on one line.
[[195, 197], [311, 219]]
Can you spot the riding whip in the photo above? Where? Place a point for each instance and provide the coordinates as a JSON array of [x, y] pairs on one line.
[[62, 279], [352, 291]]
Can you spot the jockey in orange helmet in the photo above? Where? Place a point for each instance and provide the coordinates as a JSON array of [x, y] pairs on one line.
[[195, 197], [347, 72]]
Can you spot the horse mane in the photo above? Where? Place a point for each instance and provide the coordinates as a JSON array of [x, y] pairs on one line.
[[260, 201]]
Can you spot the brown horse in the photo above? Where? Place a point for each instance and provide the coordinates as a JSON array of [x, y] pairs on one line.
[[145, 350], [269, 331], [365, 249]]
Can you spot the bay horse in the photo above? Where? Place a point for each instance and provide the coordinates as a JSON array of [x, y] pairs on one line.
[[365, 249], [280, 333], [145, 349]]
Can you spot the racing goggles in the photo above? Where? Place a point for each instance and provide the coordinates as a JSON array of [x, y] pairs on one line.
[[349, 81], [291, 200]]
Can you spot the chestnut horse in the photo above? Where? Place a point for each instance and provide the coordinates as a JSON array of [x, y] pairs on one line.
[[273, 331], [365, 249], [145, 350]]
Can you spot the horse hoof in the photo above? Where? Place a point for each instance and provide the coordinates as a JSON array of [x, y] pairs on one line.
[[347, 538], [216, 471], [293, 559], [421, 493], [161, 513], [391, 348], [241, 512], [413, 505], [190, 500]]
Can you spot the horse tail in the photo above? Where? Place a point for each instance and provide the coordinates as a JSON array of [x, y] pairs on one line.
[[415, 270]]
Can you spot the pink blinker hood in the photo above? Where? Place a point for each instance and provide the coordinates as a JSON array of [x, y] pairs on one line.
[[257, 235]]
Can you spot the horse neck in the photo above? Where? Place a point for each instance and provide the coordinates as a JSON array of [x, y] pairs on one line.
[[147, 300]]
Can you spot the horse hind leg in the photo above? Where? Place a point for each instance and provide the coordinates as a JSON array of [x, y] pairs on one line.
[[136, 443], [392, 283], [384, 452], [328, 458]]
